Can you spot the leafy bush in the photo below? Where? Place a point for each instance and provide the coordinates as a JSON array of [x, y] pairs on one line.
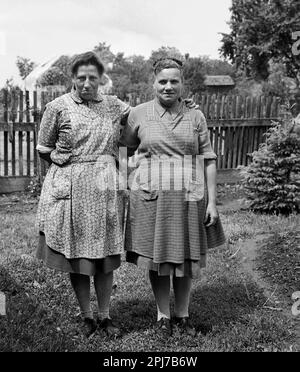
[[272, 180], [35, 187]]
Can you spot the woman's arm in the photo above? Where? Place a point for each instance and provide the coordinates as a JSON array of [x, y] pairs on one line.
[[47, 135], [210, 168], [210, 171]]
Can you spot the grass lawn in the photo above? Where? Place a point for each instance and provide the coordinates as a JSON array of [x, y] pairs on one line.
[[227, 304]]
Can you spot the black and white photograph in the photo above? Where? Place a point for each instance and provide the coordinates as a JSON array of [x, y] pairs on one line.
[[149, 179]]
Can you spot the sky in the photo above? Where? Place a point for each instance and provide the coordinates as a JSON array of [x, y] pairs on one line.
[[43, 29]]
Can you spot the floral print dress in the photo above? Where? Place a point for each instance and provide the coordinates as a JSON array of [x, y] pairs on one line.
[[80, 209]]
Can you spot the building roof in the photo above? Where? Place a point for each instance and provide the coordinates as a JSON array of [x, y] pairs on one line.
[[218, 80], [31, 80]]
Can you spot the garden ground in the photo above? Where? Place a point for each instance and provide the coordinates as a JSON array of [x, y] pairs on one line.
[[242, 302]]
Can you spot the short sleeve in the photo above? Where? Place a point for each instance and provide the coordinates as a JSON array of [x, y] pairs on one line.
[[119, 109], [205, 147], [48, 132], [129, 136]]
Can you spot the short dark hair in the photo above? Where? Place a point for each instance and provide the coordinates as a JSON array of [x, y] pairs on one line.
[[85, 59], [167, 62]]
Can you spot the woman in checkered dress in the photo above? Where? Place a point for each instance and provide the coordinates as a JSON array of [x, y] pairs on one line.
[[172, 217]]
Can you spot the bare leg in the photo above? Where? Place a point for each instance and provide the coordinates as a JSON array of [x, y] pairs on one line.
[[161, 289]]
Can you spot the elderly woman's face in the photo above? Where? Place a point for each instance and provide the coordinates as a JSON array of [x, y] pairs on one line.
[[168, 86], [86, 81]]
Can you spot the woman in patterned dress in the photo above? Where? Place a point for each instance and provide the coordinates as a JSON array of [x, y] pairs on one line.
[[172, 219], [80, 210]]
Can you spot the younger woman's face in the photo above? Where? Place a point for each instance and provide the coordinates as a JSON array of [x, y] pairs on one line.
[[168, 86]]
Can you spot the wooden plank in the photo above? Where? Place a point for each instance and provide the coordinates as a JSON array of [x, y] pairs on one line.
[[17, 127], [240, 146], [230, 139], [202, 104], [216, 139], [227, 110], [244, 146], [234, 150], [233, 107], [5, 114], [20, 141], [13, 184], [13, 153], [256, 137], [261, 135], [207, 105], [14, 107], [218, 107], [239, 122], [223, 100], [43, 101], [250, 143], [212, 110], [253, 112], [263, 106], [247, 107], [258, 107], [238, 107], [211, 135], [27, 102], [226, 143], [28, 153], [268, 106], [220, 147], [5, 137], [21, 107], [37, 120], [277, 108], [6, 153]]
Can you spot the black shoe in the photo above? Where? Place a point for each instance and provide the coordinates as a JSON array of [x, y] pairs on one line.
[[89, 326], [163, 328], [109, 327], [185, 326]]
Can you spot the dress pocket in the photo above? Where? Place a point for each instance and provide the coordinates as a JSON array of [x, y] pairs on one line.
[[148, 195], [61, 183], [194, 191]]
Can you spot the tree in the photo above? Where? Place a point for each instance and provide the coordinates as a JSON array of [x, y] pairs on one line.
[[104, 53], [130, 75], [58, 74], [194, 75], [272, 181], [217, 67], [165, 51], [262, 31], [25, 66]]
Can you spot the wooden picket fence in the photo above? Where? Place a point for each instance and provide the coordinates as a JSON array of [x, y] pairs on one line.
[[237, 125]]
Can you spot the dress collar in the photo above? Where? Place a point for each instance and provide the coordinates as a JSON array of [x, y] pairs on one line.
[[162, 110], [75, 96]]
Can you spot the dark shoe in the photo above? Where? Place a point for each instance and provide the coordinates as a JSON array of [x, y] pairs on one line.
[[89, 326], [163, 328], [185, 326], [109, 327]]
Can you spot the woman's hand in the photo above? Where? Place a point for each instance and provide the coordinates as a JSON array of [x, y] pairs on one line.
[[212, 215], [190, 103]]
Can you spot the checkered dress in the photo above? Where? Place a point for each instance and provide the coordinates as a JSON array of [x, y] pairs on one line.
[[165, 228]]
